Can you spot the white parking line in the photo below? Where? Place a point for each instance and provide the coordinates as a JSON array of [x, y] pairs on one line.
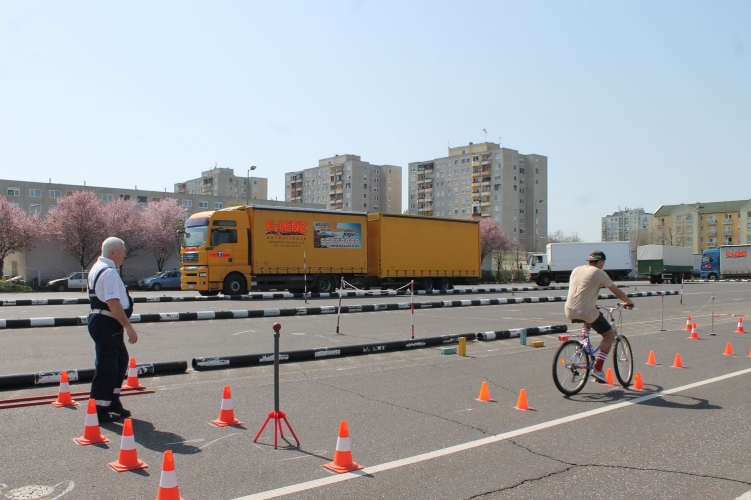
[[318, 483]]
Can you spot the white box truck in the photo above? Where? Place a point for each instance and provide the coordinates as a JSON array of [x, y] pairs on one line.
[[726, 262], [560, 259]]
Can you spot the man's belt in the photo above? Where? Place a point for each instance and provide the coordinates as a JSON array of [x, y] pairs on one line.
[[102, 311]]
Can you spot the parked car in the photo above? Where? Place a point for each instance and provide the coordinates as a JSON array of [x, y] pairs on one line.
[[166, 279], [74, 281]]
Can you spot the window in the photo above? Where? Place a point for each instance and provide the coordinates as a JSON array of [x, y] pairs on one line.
[[203, 204], [35, 209], [107, 197], [187, 203], [14, 191], [35, 193], [679, 218], [218, 205], [221, 236], [55, 193], [142, 199]]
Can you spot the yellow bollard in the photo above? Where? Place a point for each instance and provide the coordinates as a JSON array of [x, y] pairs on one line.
[[462, 346]]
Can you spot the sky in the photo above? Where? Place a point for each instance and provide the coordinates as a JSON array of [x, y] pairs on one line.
[[635, 103]]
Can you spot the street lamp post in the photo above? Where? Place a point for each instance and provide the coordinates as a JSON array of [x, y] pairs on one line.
[[536, 223], [247, 185]]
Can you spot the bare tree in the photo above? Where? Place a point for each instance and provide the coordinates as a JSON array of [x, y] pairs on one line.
[[560, 236], [162, 220], [79, 224], [17, 230]]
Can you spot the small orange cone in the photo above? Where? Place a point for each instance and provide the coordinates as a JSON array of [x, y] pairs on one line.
[[651, 358], [343, 454], [638, 384], [678, 363], [609, 377], [226, 413], [694, 332], [521, 402], [740, 326], [132, 382], [63, 395], [484, 393], [168, 489], [728, 349], [91, 433], [128, 458], [688, 324]]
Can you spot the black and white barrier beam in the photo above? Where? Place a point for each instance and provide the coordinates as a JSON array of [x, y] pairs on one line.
[[302, 311], [222, 362], [516, 332], [53, 377]]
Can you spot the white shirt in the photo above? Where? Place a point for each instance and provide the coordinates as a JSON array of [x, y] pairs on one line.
[[109, 286]]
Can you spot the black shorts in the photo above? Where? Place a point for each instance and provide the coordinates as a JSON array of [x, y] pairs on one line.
[[601, 325]]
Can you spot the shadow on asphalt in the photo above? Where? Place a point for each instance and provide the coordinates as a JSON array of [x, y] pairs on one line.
[[618, 395]]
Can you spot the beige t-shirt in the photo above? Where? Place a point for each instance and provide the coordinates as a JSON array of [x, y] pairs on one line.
[[583, 290]]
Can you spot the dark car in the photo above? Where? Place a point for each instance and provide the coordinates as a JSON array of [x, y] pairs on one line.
[[167, 280]]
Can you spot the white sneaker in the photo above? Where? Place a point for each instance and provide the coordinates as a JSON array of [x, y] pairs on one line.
[[599, 376]]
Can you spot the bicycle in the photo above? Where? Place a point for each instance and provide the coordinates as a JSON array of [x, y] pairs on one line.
[[574, 359]]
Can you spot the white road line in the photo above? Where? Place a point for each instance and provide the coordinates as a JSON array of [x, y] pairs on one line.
[[318, 483]]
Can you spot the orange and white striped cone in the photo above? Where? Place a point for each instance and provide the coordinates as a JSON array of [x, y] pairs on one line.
[[63, 395], [343, 455], [694, 332], [168, 489], [128, 458], [740, 326], [688, 324], [227, 413], [91, 433], [132, 382]]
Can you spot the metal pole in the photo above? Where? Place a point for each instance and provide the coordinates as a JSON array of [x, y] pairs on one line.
[[339, 309], [277, 327], [712, 332], [662, 312], [412, 305], [681, 301], [305, 278]]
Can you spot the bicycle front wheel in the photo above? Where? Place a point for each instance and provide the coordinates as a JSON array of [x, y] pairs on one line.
[[623, 361], [570, 368]]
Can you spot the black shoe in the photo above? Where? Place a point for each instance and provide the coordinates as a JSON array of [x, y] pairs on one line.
[[120, 411], [105, 417]]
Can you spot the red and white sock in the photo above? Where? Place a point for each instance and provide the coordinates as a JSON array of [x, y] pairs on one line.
[[601, 357]]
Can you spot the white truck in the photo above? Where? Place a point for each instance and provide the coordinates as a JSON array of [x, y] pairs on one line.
[[560, 259]]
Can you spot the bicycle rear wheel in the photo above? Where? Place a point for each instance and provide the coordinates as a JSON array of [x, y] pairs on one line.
[[570, 368], [623, 361]]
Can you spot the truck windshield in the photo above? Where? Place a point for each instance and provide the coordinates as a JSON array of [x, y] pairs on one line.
[[707, 259], [195, 232], [535, 259]]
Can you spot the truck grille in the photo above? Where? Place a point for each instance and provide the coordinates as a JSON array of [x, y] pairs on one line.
[[190, 257]]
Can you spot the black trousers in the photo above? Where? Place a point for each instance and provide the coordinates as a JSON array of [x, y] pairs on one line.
[[111, 362]]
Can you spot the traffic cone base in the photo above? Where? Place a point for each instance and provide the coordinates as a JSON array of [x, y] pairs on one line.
[[728, 349], [609, 377], [91, 433], [740, 326], [678, 363], [168, 489], [688, 324], [484, 393], [128, 458], [63, 395], [651, 358], [521, 402], [226, 413], [638, 384], [343, 455], [132, 382]]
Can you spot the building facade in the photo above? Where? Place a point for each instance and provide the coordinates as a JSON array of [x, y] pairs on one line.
[[346, 183], [223, 183], [485, 180], [631, 224]]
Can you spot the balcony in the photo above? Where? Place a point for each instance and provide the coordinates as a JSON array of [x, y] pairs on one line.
[[712, 221]]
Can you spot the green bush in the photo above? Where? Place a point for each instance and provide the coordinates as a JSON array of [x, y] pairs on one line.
[[13, 287]]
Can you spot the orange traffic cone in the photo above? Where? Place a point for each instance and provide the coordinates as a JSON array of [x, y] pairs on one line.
[[638, 384], [694, 332], [343, 454], [651, 358], [63, 395], [728, 349], [132, 382], [740, 326], [688, 324], [609, 377], [226, 413], [484, 393], [678, 363], [521, 402], [91, 433], [128, 458], [168, 489]]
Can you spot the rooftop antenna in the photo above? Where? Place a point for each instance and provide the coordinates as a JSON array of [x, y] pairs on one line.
[[499, 140], [485, 131]]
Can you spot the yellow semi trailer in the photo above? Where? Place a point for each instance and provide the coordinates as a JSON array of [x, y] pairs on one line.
[[258, 247]]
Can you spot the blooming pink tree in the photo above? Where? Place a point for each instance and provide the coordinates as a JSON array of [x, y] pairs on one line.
[[79, 224], [125, 221], [161, 221], [492, 239], [17, 230]]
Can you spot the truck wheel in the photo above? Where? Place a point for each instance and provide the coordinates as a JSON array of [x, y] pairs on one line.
[[325, 283], [156, 287], [712, 277], [234, 284], [653, 279], [427, 284], [444, 284], [543, 280]]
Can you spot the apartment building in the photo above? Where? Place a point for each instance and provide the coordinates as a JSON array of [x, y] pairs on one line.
[[223, 183], [631, 224], [702, 226], [485, 180], [346, 183]]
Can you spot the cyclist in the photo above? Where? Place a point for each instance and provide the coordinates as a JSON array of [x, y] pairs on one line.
[[581, 304]]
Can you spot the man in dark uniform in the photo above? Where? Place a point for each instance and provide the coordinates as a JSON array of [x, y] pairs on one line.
[[111, 306]]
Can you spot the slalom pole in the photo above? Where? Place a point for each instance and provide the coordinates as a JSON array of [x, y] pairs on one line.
[[305, 280], [412, 305], [712, 331], [339, 309], [681, 299], [662, 312]]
